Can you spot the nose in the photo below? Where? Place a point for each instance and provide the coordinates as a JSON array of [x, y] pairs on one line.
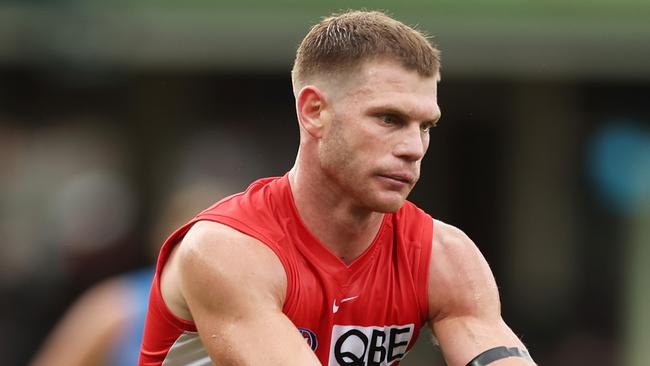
[[412, 144]]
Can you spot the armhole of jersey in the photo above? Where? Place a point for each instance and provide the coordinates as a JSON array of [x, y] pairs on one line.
[[175, 239], [289, 271], [425, 264], [156, 292]]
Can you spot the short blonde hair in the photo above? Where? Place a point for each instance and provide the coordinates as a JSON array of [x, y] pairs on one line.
[[342, 42]]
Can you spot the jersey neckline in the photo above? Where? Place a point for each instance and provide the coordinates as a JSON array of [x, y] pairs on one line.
[[323, 256]]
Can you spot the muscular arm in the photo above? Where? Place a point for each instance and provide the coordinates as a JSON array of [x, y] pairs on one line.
[[464, 301], [233, 287]]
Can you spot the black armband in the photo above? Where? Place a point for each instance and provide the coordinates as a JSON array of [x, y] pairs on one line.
[[498, 353]]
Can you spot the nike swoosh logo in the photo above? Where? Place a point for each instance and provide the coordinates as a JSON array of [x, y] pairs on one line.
[[349, 299], [335, 307]]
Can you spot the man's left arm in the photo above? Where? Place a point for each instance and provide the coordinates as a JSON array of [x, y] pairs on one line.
[[464, 306]]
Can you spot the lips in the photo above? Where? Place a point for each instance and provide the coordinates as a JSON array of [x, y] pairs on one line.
[[405, 178]]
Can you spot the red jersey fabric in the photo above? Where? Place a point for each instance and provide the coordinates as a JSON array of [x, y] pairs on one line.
[[366, 313]]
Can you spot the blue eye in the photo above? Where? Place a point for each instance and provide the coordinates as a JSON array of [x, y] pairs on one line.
[[390, 119]]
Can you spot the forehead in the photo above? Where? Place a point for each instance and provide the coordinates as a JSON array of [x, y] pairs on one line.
[[378, 83]]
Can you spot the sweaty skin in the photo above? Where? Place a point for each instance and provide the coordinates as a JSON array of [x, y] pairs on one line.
[[362, 142]]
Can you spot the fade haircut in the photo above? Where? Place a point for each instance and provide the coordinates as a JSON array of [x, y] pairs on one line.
[[342, 42]]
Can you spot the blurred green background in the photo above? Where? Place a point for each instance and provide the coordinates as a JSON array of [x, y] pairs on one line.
[[542, 156]]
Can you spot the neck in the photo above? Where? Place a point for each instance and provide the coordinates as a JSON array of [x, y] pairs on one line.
[[330, 216]]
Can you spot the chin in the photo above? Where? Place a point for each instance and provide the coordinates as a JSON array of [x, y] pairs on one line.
[[389, 206]]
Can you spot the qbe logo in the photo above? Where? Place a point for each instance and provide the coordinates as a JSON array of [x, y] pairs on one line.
[[353, 345]]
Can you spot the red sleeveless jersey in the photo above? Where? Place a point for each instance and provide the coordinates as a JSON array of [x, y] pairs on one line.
[[366, 313]]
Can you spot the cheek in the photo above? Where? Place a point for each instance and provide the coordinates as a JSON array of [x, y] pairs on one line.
[[354, 146], [335, 151], [367, 150]]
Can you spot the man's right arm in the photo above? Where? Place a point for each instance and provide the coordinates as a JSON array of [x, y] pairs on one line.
[[233, 288]]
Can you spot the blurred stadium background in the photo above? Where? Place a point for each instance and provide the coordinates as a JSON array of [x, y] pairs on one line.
[[542, 155]]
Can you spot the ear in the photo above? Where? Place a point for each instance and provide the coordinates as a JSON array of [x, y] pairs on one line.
[[310, 107]]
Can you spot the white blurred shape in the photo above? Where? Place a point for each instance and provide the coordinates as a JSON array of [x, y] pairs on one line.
[[93, 210]]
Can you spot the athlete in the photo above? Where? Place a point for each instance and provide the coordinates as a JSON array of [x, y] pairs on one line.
[[329, 264]]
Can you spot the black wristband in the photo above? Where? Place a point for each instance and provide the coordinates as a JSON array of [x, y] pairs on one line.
[[498, 353]]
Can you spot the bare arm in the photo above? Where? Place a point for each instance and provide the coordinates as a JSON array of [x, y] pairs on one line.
[[82, 337], [464, 301], [233, 287]]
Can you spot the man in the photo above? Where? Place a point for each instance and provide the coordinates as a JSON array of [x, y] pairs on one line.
[[330, 264]]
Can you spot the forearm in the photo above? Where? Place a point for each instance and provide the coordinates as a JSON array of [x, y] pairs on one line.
[[259, 340], [502, 356], [466, 339]]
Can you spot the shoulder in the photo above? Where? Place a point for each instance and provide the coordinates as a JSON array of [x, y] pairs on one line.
[[255, 211], [215, 249], [215, 261], [460, 279], [451, 242], [205, 237]]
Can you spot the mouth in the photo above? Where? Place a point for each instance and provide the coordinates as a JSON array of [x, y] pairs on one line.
[[400, 178]]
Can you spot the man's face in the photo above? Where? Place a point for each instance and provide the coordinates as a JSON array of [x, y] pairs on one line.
[[378, 134]]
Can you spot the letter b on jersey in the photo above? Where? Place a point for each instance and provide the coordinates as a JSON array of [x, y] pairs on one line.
[[368, 346]]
